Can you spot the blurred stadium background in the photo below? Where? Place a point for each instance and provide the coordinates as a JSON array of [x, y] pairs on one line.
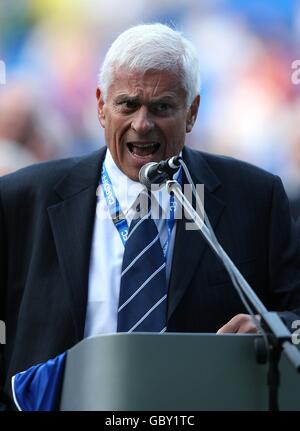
[[250, 107]]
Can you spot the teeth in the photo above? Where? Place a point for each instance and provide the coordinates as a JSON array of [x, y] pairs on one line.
[[143, 145], [143, 149]]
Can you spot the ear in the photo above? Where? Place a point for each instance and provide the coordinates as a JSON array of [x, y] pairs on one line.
[[100, 103], [192, 114]]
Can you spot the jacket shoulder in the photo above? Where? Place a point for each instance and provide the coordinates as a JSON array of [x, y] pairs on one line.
[[41, 176], [231, 171], [229, 165]]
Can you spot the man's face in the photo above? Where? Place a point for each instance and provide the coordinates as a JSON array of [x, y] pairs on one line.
[[145, 118]]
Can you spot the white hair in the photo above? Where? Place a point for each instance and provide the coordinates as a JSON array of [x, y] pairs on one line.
[[152, 47]]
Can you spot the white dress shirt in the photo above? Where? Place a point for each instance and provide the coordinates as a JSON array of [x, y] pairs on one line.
[[107, 250]]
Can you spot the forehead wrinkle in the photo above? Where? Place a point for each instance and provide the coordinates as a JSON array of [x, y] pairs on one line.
[[145, 87], [156, 81], [144, 82]]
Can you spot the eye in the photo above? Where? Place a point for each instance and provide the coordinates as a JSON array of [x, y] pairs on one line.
[[128, 105], [161, 108]]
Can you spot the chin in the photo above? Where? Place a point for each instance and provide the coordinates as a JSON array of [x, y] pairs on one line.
[[135, 177], [132, 174]]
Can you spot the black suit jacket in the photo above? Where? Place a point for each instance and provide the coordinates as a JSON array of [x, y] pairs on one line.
[[46, 224]]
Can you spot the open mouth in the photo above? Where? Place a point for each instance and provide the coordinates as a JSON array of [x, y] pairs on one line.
[[143, 150]]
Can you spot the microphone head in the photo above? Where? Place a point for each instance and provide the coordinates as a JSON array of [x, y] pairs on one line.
[[143, 174], [158, 173], [174, 162]]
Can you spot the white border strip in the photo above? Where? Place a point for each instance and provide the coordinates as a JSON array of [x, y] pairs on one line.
[[14, 393]]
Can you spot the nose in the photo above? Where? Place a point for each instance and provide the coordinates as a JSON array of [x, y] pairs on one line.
[[142, 122]]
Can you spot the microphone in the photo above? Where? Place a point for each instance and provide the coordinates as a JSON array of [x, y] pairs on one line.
[[158, 173]]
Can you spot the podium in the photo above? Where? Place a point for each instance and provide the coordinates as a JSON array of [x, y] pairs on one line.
[[172, 372]]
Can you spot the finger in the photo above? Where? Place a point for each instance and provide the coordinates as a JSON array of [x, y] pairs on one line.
[[241, 323], [249, 325], [247, 328], [229, 328]]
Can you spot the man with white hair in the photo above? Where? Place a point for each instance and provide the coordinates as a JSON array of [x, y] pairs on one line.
[[68, 266]]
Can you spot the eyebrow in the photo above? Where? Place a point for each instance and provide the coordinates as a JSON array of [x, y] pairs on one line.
[[136, 99], [125, 97]]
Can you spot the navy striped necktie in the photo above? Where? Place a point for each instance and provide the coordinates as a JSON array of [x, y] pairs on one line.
[[143, 290]]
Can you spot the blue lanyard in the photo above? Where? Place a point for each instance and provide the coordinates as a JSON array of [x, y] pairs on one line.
[[117, 214]]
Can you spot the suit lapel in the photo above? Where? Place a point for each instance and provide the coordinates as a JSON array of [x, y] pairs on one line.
[[72, 222], [189, 244]]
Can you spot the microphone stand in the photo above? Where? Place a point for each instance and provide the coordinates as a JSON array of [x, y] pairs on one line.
[[278, 336]]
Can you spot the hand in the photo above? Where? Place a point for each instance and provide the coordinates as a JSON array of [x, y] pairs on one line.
[[239, 324]]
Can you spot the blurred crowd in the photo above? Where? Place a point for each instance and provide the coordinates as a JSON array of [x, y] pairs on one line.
[[250, 107]]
